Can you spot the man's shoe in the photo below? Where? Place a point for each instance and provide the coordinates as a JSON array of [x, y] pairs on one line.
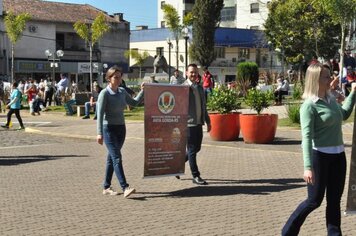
[[177, 177], [5, 126], [128, 191], [110, 191], [86, 117], [94, 118], [199, 181]]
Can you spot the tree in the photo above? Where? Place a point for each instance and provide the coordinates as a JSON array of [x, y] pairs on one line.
[[140, 58], [204, 26], [342, 12], [301, 31], [172, 19], [14, 26], [91, 33]]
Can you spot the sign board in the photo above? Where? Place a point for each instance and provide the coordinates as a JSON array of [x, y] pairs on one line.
[[351, 193], [84, 67], [166, 115]]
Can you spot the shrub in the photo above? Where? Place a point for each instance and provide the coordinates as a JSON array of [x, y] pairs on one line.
[[297, 91], [247, 75], [293, 112], [258, 100], [223, 100]]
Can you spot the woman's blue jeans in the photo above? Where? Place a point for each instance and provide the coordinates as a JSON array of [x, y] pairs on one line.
[[114, 138], [329, 173]]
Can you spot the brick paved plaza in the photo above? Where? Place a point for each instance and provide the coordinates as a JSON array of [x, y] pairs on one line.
[[51, 185]]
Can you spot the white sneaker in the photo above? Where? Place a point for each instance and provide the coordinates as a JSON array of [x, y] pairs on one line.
[[110, 191], [128, 191]]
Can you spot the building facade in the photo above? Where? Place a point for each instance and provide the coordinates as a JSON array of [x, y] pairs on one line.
[[51, 28], [245, 14]]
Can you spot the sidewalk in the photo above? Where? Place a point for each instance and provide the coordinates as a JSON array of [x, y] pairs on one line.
[[252, 188]]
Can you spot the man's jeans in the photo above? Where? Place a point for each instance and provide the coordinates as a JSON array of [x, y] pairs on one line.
[[329, 175], [114, 137], [87, 108], [194, 140]]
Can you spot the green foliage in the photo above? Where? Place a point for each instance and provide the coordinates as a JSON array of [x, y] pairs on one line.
[[207, 15], [258, 100], [293, 112], [247, 76], [223, 100], [301, 30], [137, 56], [92, 33], [297, 91], [172, 19], [15, 25]]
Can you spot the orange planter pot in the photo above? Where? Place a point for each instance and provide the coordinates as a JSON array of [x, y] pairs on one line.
[[225, 127], [258, 128]]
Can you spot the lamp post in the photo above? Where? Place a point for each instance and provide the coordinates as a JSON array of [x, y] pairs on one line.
[[270, 48], [186, 37], [169, 56], [281, 51], [54, 58]]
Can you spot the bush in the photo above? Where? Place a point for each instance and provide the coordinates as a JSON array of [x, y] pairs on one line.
[[297, 91], [258, 100], [293, 112], [223, 100], [247, 76]]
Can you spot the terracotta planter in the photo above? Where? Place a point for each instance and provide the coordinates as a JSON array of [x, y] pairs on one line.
[[224, 127], [258, 128]]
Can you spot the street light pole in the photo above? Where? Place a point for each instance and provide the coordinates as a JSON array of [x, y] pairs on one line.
[[186, 37], [169, 57], [53, 57]]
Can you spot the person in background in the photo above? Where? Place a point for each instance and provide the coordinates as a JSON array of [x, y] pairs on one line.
[[176, 78], [208, 82], [49, 90], [335, 88], [31, 96], [282, 89], [15, 106], [323, 150], [61, 88], [197, 116], [111, 127], [92, 102]]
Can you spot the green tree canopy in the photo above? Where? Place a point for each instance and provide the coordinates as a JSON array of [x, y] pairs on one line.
[[14, 26], [301, 30], [140, 58], [208, 14]]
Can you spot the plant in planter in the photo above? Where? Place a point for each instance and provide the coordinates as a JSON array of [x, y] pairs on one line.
[[258, 128], [222, 104]]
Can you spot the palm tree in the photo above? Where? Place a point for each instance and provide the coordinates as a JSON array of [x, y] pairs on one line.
[[140, 58], [14, 26], [172, 20], [91, 33]]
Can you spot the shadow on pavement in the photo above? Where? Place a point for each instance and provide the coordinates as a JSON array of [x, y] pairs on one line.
[[215, 189], [18, 160]]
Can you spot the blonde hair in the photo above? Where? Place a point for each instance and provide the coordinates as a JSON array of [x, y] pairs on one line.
[[112, 71], [312, 76]]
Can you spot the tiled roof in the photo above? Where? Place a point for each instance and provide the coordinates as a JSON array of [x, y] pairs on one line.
[[54, 11]]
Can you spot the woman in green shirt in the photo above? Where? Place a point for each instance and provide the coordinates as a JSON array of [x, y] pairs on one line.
[[323, 150]]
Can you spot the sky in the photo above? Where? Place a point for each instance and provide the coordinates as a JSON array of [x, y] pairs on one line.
[[137, 12]]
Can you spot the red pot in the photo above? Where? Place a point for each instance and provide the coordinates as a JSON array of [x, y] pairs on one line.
[[258, 128], [224, 127]]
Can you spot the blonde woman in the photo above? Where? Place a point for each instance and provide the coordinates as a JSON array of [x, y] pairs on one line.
[[111, 127], [323, 150]]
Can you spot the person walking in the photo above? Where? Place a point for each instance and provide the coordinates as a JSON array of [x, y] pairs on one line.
[[111, 127], [197, 116], [323, 150], [208, 82], [15, 106]]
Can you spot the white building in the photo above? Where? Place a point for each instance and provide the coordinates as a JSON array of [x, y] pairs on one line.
[[245, 14]]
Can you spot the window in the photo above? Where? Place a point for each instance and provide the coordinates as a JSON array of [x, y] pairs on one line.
[[219, 52], [163, 24], [244, 53], [59, 41], [159, 51], [228, 14], [162, 4], [254, 8]]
